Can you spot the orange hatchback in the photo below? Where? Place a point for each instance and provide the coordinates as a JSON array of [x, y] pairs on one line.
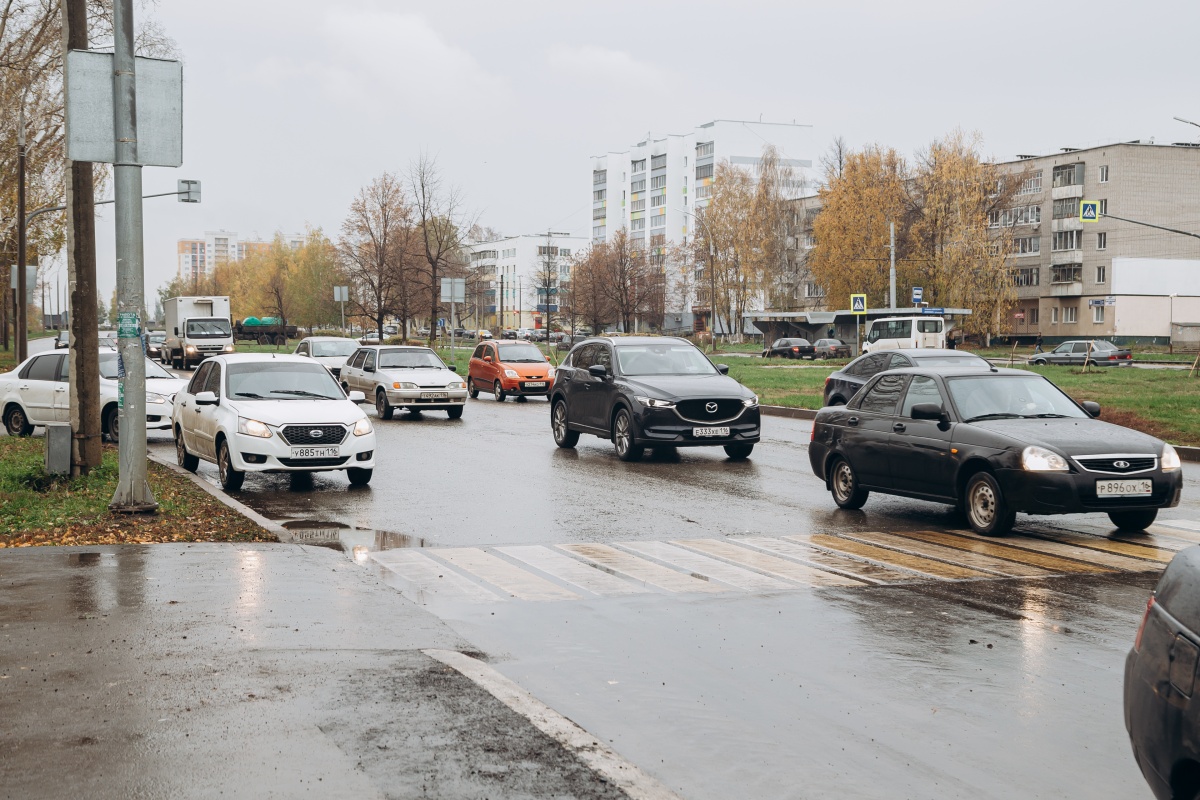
[[505, 367]]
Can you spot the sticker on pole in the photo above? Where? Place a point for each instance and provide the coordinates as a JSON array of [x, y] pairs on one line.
[[858, 304], [1089, 210], [127, 325], [121, 394]]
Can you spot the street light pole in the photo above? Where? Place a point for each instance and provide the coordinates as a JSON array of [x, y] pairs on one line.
[[20, 301]]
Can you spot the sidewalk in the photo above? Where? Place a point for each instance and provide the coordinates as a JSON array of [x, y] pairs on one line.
[[264, 670]]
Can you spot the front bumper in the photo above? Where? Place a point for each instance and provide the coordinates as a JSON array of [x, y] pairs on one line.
[[253, 454], [520, 387], [411, 398], [662, 426], [1075, 492]]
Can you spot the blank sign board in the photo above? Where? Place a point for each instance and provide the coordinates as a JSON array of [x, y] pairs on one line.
[[89, 96]]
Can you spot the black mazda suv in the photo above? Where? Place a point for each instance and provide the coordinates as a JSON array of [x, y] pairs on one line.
[[650, 391]]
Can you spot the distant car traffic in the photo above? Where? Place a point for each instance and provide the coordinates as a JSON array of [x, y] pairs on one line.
[[509, 369], [508, 333], [1160, 682], [484, 334], [790, 348], [463, 333], [992, 442], [154, 342], [263, 413], [1103, 354], [332, 351], [405, 377], [63, 339], [832, 348], [842, 385], [661, 392], [391, 330], [369, 337]]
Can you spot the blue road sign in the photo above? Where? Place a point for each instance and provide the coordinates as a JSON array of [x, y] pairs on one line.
[[441, 322], [1089, 210], [858, 304], [918, 293], [928, 310]]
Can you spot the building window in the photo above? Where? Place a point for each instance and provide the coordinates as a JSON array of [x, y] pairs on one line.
[[637, 224], [638, 166], [658, 181], [1097, 313], [1033, 316], [1066, 273], [598, 233], [1054, 315], [1104, 176], [1067, 240], [1067, 175], [658, 162], [599, 213], [703, 192], [704, 171], [1029, 276], [1066, 208], [1101, 241], [599, 176], [813, 290], [1032, 184], [599, 195], [658, 221], [658, 200], [1101, 274], [547, 251], [564, 251], [1103, 208], [1070, 315], [638, 186], [1021, 215], [704, 149], [1026, 245], [638, 205]]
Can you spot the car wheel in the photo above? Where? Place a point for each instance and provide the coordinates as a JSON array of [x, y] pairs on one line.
[[1133, 520], [471, 390], [563, 436], [498, 391], [382, 407], [358, 476], [231, 479], [988, 513], [280, 341], [182, 456], [739, 452], [843, 485], [837, 401], [622, 434], [16, 423], [454, 412], [112, 424], [1039, 362]]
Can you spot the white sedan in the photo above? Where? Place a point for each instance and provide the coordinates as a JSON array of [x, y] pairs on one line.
[[263, 413], [37, 392], [332, 351], [412, 378]]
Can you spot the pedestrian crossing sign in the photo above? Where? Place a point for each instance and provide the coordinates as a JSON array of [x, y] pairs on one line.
[[858, 304], [1089, 210]]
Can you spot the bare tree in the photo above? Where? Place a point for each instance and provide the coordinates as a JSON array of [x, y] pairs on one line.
[[377, 250], [833, 162], [439, 217]]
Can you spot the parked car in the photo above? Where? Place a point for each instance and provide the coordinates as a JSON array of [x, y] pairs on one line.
[[423, 331], [154, 343], [410, 378], [391, 330], [63, 339], [516, 369], [108, 339], [525, 333], [842, 385], [1160, 682], [832, 348], [508, 333], [1103, 354], [484, 334], [332, 351], [463, 333], [37, 393], [538, 335], [992, 442], [905, 333], [370, 337], [641, 392], [264, 413], [790, 348]]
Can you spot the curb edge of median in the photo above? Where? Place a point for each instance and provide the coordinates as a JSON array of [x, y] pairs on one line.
[[1188, 453], [785, 411], [249, 513]]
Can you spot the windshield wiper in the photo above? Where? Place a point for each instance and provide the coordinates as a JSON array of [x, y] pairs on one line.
[[1048, 416], [996, 415], [248, 394], [303, 393]]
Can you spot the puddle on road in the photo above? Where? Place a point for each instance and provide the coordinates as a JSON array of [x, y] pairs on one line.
[[357, 543]]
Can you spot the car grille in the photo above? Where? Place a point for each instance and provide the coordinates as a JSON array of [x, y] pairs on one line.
[[302, 434], [1118, 465], [314, 462], [698, 410]]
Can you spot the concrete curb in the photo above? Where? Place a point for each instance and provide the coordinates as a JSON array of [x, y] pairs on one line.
[[1188, 453], [785, 411], [243, 509]]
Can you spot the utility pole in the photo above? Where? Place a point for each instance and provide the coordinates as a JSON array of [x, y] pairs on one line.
[[133, 493], [20, 300], [892, 273], [500, 309]]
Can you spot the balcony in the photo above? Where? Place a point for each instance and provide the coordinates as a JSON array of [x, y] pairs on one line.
[[1061, 192], [1068, 224], [1066, 289], [1066, 257]]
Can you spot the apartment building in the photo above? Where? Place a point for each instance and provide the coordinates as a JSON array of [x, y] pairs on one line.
[[510, 276], [197, 257]]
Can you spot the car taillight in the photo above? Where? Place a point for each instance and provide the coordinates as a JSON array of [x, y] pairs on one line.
[[812, 435], [1137, 640], [827, 377], [795, 349], [1112, 358]]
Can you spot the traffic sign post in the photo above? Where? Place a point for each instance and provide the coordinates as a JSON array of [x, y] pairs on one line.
[[454, 290], [340, 295], [858, 307], [918, 294], [1089, 210]]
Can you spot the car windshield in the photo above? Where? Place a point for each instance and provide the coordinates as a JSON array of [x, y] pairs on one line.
[[334, 349], [1103, 345], [409, 359], [1008, 397], [64, 336], [208, 328], [520, 354], [158, 337], [281, 380], [663, 359], [108, 368], [965, 360]]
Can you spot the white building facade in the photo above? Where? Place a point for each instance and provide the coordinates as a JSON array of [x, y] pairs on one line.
[[198, 257], [511, 272]]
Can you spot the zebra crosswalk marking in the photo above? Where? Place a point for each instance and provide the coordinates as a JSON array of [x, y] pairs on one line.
[[513, 580], [993, 547], [703, 565], [1184, 530], [1085, 554], [572, 570], [771, 565], [1145, 551], [639, 569], [424, 576], [926, 566], [833, 562], [984, 563], [1190, 525]]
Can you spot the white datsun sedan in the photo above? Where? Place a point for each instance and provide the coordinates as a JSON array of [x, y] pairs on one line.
[[37, 393], [265, 413]]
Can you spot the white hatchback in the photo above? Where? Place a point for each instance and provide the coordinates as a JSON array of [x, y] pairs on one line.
[[332, 351], [263, 413]]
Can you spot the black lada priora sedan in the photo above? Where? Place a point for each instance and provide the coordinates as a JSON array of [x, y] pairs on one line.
[[651, 391]]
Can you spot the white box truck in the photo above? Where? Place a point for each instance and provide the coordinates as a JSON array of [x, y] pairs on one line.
[[196, 327]]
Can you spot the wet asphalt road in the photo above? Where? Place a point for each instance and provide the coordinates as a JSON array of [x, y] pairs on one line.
[[958, 683]]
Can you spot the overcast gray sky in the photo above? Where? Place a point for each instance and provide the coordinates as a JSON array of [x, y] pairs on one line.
[[291, 105]]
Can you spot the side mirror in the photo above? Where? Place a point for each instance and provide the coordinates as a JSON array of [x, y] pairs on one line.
[[453, 368], [927, 411], [177, 331], [1091, 407], [357, 397], [598, 371], [488, 359], [722, 368], [207, 399]]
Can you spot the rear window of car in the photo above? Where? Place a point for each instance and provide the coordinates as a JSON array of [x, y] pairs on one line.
[[964, 360]]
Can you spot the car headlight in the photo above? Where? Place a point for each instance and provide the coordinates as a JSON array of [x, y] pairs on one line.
[[1039, 459], [510, 373], [362, 427], [228, 348], [157, 399], [403, 385], [456, 385], [750, 402], [550, 373], [190, 348], [1170, 459], [252, 427], [654, 402]]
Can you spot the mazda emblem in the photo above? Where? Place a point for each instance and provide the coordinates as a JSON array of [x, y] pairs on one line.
[[1121, 464], [315, 433], [711, 408]]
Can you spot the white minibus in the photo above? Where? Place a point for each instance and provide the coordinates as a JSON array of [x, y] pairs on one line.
[[904, 333]]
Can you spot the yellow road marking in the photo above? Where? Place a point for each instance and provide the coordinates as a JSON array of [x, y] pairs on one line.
[[963, 558], [1086, 554], [992, 547], [519, 583], [572, 570], [833, 562], [703, 565], [424, 576], [639, 569], [926, 566], [772, 565]]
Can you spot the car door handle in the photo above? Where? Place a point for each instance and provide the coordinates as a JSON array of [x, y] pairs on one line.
[[898, 427], [24, 387], [852, 421], [60, 388]]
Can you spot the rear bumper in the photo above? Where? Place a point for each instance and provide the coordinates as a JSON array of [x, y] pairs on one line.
[[1075, 492]]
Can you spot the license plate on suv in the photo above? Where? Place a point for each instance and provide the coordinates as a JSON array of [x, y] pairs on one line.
[[316, 452], [1141, 487], [701, 433]]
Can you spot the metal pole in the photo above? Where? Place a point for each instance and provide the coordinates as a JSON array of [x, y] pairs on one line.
[[20, 304], [892, 274], [133, 491]]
